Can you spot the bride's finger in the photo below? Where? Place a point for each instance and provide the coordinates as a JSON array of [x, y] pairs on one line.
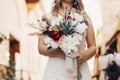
[[79, 61]]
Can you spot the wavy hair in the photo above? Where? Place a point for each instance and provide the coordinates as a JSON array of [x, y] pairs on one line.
[[77, 4]]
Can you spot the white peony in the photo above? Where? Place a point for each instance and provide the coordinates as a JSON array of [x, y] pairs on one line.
[[49, 42], [78, 17], [54, 44], [43, 26], [56, 21], [69, 44], [80, 28], [78, 37]]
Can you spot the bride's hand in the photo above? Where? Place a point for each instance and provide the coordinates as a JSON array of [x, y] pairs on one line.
[[80, 59]]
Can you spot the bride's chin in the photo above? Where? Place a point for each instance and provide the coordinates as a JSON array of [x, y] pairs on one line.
[[68, 1]]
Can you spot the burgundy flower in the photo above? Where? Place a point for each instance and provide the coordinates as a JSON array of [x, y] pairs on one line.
[[55, 35], [74, 19], [69, 18]]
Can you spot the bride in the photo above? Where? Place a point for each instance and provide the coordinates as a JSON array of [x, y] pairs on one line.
[[55, 68]]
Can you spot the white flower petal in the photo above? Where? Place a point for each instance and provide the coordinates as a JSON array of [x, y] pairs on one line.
[[80, 28], [47, 40]]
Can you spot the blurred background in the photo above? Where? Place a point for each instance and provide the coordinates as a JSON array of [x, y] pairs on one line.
[[19, 56]]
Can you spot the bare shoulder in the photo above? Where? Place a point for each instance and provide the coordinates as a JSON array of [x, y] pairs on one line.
[[89, 21], [86, 16]]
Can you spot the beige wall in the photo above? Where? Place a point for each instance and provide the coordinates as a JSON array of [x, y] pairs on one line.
[[110, 9], [13, 20]]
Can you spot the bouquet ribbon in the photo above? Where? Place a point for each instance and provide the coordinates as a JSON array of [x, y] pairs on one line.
[[71, 66]]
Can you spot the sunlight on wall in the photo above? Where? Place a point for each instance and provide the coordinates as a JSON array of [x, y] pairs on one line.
[[47, 5], [94, 11]]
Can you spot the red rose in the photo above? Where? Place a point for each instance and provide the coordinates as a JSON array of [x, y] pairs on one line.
[[55, 35]]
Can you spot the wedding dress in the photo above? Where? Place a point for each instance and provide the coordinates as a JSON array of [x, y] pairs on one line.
[[55, 68]]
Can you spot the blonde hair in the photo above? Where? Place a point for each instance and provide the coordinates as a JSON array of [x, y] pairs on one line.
[[58, 5]]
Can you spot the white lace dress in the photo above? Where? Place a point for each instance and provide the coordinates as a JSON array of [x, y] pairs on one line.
[[55, 68]]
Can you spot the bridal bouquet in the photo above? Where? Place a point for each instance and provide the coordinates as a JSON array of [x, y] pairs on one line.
[[63, 33]]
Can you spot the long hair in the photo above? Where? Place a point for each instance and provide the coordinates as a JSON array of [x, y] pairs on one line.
[[77, 4]]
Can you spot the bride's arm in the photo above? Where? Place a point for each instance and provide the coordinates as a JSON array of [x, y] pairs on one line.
[[90, 42], [42, 48]]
